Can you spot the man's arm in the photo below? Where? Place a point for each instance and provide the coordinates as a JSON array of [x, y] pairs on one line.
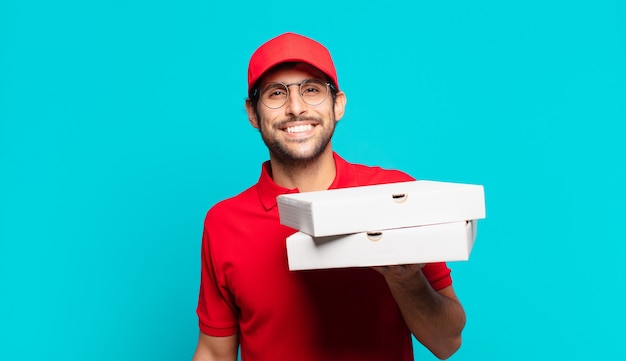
[[436, 319], [212, 348]]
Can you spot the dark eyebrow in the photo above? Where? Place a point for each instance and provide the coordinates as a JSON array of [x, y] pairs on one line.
[[263, 88]]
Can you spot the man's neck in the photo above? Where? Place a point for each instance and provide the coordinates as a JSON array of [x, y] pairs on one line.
[[314, 175]]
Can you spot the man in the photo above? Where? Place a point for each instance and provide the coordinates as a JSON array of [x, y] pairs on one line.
[[249, 298]]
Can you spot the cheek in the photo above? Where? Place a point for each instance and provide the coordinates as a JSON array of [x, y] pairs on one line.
[[264, 122], [267, 117]]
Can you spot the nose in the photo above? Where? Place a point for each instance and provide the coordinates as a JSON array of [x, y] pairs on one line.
[[295, 104]]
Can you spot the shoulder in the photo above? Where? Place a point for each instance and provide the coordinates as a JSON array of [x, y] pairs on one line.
[[372, 175], [378, 175], [224, 209]]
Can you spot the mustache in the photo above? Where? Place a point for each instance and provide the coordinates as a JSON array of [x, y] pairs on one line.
[[305, 118]]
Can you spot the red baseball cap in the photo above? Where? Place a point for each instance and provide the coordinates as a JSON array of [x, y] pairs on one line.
[[290, 47]]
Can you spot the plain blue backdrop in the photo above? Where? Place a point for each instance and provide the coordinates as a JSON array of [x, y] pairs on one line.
[[122, 123]]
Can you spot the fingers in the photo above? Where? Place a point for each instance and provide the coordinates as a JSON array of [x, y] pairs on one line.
[[399, 270]]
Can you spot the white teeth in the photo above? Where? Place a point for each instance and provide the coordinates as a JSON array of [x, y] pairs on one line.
[[299, 128]]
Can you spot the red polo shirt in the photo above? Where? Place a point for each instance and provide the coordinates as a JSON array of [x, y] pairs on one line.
[[247, 288]]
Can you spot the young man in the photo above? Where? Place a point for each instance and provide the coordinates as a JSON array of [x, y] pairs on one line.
[[248, 296]]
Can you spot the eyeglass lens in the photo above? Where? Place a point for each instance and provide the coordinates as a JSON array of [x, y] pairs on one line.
[[312, 91]]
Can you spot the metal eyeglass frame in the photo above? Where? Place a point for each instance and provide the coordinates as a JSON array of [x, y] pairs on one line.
[[328, 85]]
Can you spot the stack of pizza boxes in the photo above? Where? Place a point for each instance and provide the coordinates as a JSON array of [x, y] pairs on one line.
[[388, 224]]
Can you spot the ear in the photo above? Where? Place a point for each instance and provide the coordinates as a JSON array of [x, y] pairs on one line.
[[340, 105], [252, 118]]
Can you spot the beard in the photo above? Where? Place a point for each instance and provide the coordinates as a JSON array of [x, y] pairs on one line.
[[288, 153]]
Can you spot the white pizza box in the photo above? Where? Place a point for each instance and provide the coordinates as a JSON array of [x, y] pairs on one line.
[[423, 244], [385, 206]]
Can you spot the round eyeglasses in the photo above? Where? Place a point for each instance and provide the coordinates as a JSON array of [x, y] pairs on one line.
[[312, 91]]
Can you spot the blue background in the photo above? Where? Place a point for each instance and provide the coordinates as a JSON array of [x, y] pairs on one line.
[[122, 123]]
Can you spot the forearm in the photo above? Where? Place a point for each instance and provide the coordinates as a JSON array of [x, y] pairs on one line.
[[435, 318], [216, 348]]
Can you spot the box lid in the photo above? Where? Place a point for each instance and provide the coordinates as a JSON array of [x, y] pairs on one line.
[[385, 206]]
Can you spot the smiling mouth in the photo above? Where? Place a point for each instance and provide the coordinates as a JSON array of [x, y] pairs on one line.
[[299, 128]]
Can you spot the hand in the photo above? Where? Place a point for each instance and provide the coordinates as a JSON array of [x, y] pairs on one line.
[[399, 273]]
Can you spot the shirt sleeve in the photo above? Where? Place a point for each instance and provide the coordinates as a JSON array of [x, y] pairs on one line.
[[216, 311], [438, 275]]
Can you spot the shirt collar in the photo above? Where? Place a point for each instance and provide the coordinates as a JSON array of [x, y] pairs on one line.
[[345, 176], [268, 190]]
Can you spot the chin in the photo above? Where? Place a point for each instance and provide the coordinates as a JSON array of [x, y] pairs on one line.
[[297, 156]]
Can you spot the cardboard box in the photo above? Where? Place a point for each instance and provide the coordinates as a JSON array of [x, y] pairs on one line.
[[386, 206], [425, 244]]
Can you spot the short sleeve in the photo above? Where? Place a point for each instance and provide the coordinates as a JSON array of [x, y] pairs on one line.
[[216, 311], [438, 275]]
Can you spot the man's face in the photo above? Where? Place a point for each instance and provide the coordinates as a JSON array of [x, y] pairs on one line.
[[296, 132]]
